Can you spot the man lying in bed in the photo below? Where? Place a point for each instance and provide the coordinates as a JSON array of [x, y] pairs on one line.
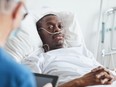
[[74, 68]]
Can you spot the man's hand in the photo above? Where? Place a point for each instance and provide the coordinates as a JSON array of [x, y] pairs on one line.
[[98, 76]]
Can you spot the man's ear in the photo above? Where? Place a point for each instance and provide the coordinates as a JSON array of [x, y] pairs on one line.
[[16, 15]]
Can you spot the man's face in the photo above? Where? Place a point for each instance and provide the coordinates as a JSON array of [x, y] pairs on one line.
[[52, 24]]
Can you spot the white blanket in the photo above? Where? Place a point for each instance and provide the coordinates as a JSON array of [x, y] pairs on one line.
[[67, 63]]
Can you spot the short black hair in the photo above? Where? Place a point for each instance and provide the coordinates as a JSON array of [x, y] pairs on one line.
[[38, 23]]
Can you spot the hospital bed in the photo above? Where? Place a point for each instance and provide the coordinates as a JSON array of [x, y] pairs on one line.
[[26, 41]]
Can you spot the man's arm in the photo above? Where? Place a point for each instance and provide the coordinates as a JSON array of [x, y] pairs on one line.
[[98, 76], [74, 83]]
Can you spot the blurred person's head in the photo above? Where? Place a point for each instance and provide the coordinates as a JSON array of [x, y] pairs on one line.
[[49, 28], [10, 17]]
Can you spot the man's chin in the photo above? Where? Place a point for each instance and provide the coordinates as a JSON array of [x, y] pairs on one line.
[[60, 43], [59, 46]]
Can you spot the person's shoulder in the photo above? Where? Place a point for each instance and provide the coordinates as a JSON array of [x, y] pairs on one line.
[[9, 65], [19, 70], [14, 71], [23, 75]]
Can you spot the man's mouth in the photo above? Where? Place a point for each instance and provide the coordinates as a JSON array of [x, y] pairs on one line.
[[58, 37], [58, 40]]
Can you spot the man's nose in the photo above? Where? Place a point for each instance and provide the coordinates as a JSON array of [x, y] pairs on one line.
[[57, 29]]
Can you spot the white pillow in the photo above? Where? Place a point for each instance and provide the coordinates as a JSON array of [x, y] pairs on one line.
[[73, 34], [25, 40]]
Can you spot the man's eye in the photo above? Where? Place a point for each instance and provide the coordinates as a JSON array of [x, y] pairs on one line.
[[51, 27], [60, 26]]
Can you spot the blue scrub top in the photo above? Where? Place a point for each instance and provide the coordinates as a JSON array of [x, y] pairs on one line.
[[13, 74]]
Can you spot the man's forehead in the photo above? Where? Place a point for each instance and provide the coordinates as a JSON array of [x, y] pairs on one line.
[[51, 18]]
